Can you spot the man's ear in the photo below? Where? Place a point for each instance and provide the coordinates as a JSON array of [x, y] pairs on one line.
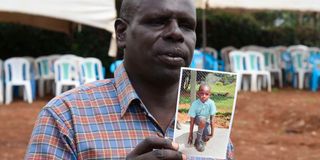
[[121, 28]]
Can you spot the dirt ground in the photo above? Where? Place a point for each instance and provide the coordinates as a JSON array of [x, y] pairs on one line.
[[282, 125]]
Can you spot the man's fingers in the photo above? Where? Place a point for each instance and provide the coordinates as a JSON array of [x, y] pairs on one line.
[[151, 143], [165, 154]]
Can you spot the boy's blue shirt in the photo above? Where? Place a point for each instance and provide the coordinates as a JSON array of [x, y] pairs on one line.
[[205, 109]]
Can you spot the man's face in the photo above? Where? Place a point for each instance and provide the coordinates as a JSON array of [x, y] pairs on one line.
[[204, 93], [160, 39]]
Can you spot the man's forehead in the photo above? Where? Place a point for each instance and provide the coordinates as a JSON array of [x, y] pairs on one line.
[[166, 6]]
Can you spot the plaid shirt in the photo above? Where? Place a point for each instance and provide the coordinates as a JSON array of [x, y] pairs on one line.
[[101, 120]]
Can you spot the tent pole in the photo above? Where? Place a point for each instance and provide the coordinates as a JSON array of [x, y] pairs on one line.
[[204, 27]]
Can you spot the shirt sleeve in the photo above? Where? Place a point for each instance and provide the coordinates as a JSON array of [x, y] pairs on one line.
[[213, 108], [192, 110], [52, 137]]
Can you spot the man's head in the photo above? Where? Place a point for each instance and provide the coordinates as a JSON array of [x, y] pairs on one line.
[[158, 37], [204, 92]]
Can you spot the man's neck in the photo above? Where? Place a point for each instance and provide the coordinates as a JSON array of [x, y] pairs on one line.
[[159, 98]]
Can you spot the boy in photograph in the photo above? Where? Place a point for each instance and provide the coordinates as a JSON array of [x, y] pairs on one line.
[[202, 112]]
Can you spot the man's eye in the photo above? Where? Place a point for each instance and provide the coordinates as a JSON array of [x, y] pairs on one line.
[[187, 26], [157, 22]]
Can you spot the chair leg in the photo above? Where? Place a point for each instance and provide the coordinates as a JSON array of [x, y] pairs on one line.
[[254, 83], [8, 94], [314, 82], [301, 80], [28, 91], [269, 82], [1, 93], [58, 89], [239, 81], [41, 88], [280, 79]]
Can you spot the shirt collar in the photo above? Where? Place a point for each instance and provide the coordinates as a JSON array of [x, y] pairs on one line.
[[125, 90]]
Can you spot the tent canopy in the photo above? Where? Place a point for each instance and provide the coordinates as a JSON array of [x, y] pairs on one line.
[[58, 15], [294, 5], [96, 13]]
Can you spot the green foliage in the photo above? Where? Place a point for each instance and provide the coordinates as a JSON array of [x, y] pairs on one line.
[[219, 84], [260, 28], [184, 100]]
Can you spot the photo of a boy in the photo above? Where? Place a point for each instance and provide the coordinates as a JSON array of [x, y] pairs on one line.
[[202, 112]]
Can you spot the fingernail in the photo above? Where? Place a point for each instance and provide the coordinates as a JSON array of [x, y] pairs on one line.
[[184, 157], [175, 145]]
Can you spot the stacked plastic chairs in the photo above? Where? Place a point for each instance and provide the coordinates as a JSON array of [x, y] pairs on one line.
[[237, 64], [204, 60], [17, 73], [1, 82], [91, 70], [255, 64], [250, 66], [66, 73], [45, 73], [301, 66], [315, 61], [273, 64], [225, 56]]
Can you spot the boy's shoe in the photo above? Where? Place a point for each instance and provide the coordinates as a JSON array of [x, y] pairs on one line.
[[199, 145]]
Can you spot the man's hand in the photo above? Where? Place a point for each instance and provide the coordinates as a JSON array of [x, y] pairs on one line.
[[156, 148], [190, 139]]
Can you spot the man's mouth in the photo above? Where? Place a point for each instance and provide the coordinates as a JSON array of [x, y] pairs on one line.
[[173, 59]]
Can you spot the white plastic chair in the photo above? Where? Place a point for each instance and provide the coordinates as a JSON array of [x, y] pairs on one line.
[[17, 73], [273, 64], [66, 74], [237, 63], [46, 76], [302, 67], [1, 82], [225, 56], [255, 65], [90, 70]]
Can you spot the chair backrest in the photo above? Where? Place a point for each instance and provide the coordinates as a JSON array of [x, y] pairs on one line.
[[43, 67], [197, 60], [237, 61], [251, 48], [91, 70], [271, 59], [115, 65], [225, 56], [65, 70], [300, 59], [17, 69], [211, 51], [314, 51], [1, 71], [254, 61], [297, 48]]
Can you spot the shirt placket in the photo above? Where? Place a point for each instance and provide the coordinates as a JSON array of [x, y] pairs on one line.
[[165, 134]]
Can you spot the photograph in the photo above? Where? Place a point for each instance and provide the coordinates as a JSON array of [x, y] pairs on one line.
[[205, 107]]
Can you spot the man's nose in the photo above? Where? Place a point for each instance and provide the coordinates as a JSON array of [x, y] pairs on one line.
[[173, 32]]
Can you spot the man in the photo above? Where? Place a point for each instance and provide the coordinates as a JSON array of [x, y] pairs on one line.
[[130, 116]]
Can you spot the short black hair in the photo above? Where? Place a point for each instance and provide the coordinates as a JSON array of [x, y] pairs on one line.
[[128, 9], [204, 85]]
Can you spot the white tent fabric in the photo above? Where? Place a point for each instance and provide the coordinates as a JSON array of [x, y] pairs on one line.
[[96, 13], [295, 5]]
